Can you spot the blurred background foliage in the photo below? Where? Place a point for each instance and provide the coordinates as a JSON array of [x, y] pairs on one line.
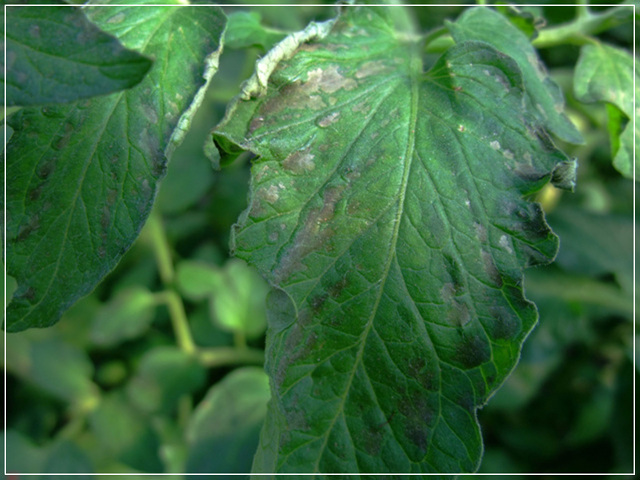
[[115, 386]]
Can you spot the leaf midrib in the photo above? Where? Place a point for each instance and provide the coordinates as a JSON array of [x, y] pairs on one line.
[[414, 71]]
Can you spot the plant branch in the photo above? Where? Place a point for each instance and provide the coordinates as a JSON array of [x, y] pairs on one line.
[[161, 248], [585, 24], [178, 319], [223, 356]]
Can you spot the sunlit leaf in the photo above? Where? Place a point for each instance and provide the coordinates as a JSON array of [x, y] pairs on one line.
[[387, 212], [605, 74]]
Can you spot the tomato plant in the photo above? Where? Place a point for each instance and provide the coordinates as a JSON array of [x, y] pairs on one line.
[[385, 176]]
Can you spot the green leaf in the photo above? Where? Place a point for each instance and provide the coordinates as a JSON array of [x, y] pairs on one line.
[[163, 376], [128, 315], [22, 454], [55, 55], [197, 280], [387, 212], [237, 305], [58, 368], [542, 95], [224, 429], [245, 30], [66, 457], [595, 244], [84, 175], [605, 74], [125, 435]]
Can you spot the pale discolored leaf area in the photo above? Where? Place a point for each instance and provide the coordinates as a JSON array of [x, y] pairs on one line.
[[387, 212], [605, 74], [56, 55], [84, 175]]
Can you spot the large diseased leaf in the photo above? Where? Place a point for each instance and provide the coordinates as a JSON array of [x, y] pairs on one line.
[[543, 96], [55, 55], [82, 177], [605, 74], [387, 212]]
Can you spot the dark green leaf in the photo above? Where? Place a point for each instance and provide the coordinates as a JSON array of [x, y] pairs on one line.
[[164, 375], [84, 175], [22, 455], [543, 97], [66, 457], [387, 210], [59, 368], [55, 55], [224, 430], [595, 244], [125, 435], [605, 74]]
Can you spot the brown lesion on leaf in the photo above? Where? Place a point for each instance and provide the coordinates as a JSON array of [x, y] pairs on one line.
[[328, 80], [336, 289], [300, 161], [45, 169], [375, 67], [35, 192], [490, 268], [314, 234], [30, 227]]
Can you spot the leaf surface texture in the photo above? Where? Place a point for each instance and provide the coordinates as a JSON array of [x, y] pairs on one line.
[[387, 212], [83, 175], [55, 55]]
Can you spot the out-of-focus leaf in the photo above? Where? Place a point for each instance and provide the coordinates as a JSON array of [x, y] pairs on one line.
[[164, 375], [595, 244], [22, 455], [188, 179], [66, 457], [224, 429], [579, 289], [198, 280], [127, 315], [605, 74], [205, 333], [55, 55], [543, 97], [245, 30], [387, 211], [83, 175], [238, 305], [125, 435], [59, 368]]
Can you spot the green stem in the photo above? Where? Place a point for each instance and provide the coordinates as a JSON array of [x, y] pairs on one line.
[[585, 24], [223, 356], [161, 248], [178, 320]]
